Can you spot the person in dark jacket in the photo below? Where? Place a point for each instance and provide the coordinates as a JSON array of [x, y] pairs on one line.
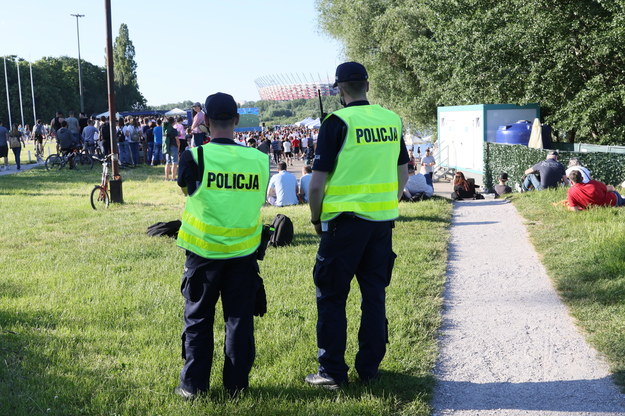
[[462, 188]]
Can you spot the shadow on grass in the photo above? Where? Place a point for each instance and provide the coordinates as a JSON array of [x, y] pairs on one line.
[[31, 379], [305, 239], [402, 387], [427, 218]]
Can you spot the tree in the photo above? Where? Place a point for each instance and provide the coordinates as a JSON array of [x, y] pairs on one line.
[[56, 88], [566, 55], [127, 95]]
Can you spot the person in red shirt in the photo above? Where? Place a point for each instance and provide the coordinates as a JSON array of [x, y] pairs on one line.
[[296, 147], [581, 195]]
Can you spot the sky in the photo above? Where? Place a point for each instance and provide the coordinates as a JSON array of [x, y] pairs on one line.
[[184, 50]]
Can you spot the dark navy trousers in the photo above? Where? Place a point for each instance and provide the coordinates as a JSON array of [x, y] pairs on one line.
[[204, 280], [353, 246]]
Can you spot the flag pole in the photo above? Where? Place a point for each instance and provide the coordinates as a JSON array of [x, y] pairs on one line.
[[6, 81]]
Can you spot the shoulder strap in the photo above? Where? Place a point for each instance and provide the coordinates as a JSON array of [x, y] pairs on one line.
[[200, 161]]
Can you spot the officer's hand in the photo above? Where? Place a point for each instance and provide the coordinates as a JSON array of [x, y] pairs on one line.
[[317, 228]]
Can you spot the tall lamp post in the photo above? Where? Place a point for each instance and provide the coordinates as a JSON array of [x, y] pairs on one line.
[[82, 101]]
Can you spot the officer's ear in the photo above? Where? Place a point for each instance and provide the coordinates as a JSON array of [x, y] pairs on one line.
[[367, 89], [236, 120]]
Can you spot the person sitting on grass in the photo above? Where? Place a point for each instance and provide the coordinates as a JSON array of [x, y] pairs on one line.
[[462, 188], [282, 189], [575, 165], [417, 188], [582, 195], [551, 173], [502, 188]]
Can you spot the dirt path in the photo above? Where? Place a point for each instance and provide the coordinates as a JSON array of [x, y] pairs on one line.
[[508, 345]]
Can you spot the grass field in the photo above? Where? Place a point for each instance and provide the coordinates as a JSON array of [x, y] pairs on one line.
[[49, 147], [90, 308], [584, 253]]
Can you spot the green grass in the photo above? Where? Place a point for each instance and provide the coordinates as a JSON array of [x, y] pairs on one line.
[[49, 147], [90, 308], [584, 253]]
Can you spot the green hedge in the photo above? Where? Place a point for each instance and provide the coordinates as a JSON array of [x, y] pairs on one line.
[[515, 159]]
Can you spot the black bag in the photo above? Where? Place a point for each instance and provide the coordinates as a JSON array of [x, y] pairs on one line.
[[120, 136], [170, 229], [282, 231]]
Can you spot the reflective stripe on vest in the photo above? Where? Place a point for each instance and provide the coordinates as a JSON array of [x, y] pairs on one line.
[[222, 218], [364, 180]]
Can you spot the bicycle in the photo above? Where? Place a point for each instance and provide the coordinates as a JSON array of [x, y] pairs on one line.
[[100, 193], [83, 159], [75, 159]]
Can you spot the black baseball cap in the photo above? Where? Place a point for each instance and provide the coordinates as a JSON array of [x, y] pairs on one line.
[[220, 106], [350, 71]]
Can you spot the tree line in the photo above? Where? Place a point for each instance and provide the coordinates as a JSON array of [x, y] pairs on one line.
[[568, 56], [55, 81]]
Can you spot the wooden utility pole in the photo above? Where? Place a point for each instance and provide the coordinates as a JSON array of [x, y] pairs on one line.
[[116, 184]]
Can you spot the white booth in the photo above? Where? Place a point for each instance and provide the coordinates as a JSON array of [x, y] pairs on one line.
[[462, 131]]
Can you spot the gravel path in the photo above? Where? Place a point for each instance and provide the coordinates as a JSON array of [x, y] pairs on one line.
[[508, 345]]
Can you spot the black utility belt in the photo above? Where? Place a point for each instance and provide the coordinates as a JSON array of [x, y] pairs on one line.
[[350, 216]]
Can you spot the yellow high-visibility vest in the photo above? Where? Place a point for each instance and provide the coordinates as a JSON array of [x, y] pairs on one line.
[[364, 180], [221, 219]]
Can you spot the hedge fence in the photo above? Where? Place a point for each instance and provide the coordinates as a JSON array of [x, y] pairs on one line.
[[514, 159]]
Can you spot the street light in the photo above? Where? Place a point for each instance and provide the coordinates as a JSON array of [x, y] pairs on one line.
[[82, 101]]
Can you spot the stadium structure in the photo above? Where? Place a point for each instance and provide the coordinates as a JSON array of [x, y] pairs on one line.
[[281, 87]]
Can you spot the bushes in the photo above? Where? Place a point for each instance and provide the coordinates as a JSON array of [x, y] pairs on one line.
[[515, 159]]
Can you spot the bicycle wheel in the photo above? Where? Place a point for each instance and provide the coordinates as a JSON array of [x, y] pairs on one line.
[[82, 161], [54, 161], [99, 197]]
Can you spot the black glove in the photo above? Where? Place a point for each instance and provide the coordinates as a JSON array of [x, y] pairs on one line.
[[260, 307]]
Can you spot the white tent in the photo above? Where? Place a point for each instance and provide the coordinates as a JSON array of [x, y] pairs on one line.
[[422, 140], [303, 122], [315, 124], [176, 112], [106, 114]]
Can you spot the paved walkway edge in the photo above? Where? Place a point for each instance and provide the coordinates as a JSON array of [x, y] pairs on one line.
[[507, 344]]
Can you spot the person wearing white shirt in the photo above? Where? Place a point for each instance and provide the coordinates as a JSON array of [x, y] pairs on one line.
[[282, 190], [288, 154], [427, 166], [417, 187], [304, 182]]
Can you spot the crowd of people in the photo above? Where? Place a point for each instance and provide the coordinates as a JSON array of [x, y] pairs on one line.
[[150, 140]]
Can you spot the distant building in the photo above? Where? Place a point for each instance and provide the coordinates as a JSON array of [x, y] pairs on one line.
[[282, 87]]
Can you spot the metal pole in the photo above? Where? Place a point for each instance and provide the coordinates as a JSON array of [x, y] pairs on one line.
[[19, 88], [6, 81], [116, 183], [82, 101], [32, 90]]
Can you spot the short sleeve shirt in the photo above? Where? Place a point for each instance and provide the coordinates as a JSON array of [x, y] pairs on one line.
[[331, 138], [592, 193], [551, 172]]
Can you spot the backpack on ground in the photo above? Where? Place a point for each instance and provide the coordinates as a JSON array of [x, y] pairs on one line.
[[282, 231], [169, 229]]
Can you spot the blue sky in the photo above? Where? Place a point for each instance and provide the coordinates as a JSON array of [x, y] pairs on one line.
[[185, 49]]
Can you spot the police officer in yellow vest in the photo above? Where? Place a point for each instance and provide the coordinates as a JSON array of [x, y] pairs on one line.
[[221, 230], [359, 172]]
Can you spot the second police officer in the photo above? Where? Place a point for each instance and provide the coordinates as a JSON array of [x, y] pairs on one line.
[[359, 172]]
